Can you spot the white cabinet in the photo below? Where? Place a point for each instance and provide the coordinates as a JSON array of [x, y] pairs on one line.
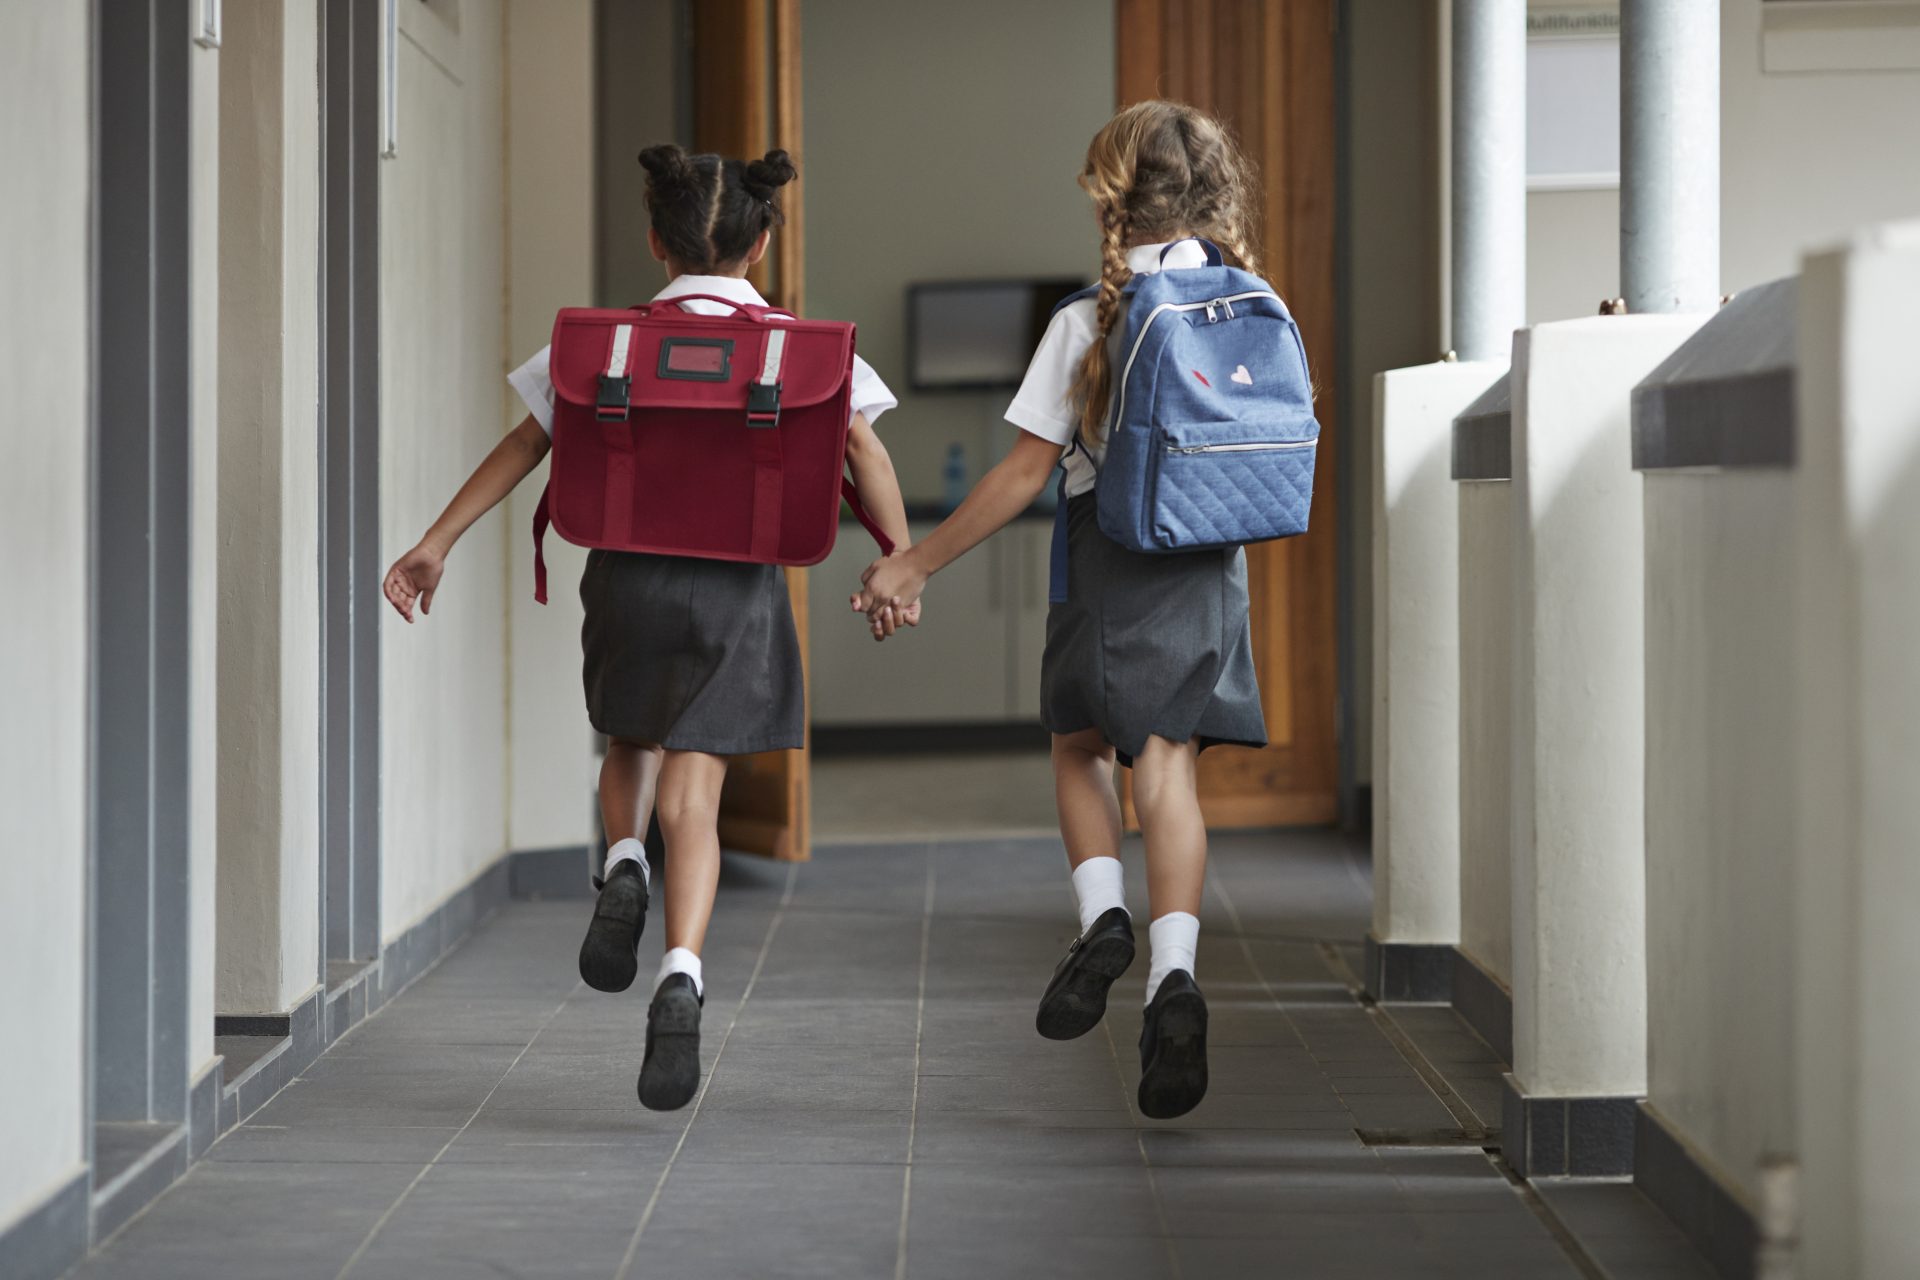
[[976, 657]]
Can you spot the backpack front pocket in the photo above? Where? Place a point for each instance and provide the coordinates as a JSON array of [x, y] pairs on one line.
[[1218, 488]]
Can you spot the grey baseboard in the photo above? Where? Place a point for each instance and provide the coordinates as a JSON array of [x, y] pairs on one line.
[[422, 946], [1684, 1189], [203, 1110], [1409, 972], [1485, 1003], [1567, 1137], [559, 872], [138, 1186], [48, 1239]]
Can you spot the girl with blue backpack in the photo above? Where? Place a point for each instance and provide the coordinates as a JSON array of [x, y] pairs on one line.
[[1175, 395]]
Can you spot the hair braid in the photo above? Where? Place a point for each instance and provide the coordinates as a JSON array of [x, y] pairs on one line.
[[1091, 383]]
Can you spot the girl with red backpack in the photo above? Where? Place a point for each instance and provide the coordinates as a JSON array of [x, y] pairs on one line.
[[1148, 656], [688, 660]]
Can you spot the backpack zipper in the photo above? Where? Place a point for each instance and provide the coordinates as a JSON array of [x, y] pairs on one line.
[[1267, 446], [1207, 306]]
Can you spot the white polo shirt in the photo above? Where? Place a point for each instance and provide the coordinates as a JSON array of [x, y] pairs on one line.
[[1044, 404], [870, 395]]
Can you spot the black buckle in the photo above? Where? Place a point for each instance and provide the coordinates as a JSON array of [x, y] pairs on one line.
[[613, 401], [763, 404]]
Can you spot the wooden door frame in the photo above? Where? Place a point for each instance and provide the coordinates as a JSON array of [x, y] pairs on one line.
[[1267, 68], [746, 90]]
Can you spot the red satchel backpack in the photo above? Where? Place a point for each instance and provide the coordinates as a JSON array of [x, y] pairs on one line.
[[722, 437]]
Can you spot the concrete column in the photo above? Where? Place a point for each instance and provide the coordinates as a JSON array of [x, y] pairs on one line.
[[550, 257], [1416, 679], [1489, 296], [1670, 154], [268, 903], [1857, 883], [1578, 707], [1416, 674]]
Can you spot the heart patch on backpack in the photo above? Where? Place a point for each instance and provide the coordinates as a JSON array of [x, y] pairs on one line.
[[1242, 377]]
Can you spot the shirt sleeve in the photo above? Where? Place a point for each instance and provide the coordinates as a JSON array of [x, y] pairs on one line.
[[1044, 404], [536, 388], [871, 396]]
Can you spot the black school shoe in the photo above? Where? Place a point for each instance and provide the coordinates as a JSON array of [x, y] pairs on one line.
[[670, 1072], [1076, 997], [607, 960], [1173, 1049]]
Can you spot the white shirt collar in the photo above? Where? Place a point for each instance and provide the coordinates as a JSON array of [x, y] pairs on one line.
[[1144, 259], [732, 288]]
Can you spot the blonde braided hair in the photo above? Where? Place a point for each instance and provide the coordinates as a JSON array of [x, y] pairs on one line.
[[1157, 171]]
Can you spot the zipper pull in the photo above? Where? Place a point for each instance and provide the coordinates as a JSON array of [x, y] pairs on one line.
[[1211, 317]]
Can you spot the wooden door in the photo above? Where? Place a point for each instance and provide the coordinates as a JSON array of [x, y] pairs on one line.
[[1266, 68], [746, 61]]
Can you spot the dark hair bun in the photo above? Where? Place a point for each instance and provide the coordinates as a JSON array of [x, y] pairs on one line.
[[766, 176], [667, 165]]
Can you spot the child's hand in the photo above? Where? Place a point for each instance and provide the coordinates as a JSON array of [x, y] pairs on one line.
[[414, 576], [890, 593]]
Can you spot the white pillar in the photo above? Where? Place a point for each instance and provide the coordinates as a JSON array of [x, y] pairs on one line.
[[1857, 579], [1579, 983], [1669, 154], [1489, 181], [1416, 705], [268, 940], [1416, 681]]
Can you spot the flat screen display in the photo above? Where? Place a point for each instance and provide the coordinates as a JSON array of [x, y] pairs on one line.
[[966, 334]]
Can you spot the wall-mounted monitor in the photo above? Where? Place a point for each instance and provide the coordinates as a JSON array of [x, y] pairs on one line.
[[977, 334]]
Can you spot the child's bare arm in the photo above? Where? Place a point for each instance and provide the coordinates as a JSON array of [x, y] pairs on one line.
[[874, 478], [416, 575], [1003, 493]]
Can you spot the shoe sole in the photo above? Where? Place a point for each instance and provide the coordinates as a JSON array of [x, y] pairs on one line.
[[1076, 1006], [607, 959], [1176, 1077], [671, 1073]]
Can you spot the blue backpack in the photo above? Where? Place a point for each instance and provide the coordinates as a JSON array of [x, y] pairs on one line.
[[1211, 434]]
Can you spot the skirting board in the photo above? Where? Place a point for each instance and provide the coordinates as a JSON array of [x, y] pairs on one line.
[[49, 1239], [1484, 1002], [1681, 1186], [1566, 1137], [1409, 972]]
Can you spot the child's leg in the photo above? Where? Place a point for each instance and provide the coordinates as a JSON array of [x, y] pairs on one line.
[[1173, 1034], [1076, 997], [1089, 820], [1166, 796], [607, 956], [689, 810], [627, 779]]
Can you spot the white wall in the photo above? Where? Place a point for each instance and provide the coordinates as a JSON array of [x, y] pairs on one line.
[[550, 254], [942, 142], [269, 601], [45, 131], [1573, 253], [442, 681], [1720, 815], [1805, 157]]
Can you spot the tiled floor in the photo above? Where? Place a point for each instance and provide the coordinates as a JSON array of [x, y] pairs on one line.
[[877, 1106]]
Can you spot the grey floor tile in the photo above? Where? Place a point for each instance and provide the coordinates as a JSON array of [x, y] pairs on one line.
[[1031, 1202], [788, 1135]]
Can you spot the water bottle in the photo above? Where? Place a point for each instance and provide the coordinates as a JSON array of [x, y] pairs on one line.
[[953, 476]]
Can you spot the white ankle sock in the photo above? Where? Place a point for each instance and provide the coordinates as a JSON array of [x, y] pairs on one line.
[[1171, 939], [680, 960], [1098, 885], [629, 849]]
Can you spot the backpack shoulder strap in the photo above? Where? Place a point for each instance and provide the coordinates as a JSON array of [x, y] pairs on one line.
[[1091, 291]]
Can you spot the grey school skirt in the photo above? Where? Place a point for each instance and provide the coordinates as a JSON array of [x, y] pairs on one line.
[[691, 655], [1150, 645]]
